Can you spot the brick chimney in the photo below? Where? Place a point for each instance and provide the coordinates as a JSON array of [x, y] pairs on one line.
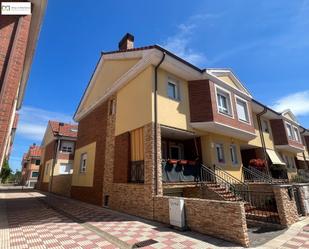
[[127, 42]]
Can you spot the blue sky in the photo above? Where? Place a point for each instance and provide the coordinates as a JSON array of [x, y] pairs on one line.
[[266, 43]]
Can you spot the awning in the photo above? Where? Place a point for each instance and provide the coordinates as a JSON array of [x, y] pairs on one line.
[[275, 157]]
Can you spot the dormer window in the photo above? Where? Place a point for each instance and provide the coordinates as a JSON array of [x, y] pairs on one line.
[[296, 134], [224, 102], [289, 130]]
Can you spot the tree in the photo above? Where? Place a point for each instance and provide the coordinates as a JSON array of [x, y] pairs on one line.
[[5, 171]]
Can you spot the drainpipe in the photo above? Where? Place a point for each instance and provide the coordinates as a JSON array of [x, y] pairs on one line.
[[262, 136], [156, 123]]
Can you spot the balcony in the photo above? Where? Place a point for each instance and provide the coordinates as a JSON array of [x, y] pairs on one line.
[[286, 136], [221, 109]]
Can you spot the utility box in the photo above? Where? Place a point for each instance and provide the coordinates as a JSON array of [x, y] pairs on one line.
[[177, 212]]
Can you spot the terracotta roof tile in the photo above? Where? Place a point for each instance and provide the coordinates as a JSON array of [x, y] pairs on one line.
[[35, 151], [67, 130]]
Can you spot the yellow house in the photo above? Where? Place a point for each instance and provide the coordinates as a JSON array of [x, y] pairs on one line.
[[57, 157], [149, 119]]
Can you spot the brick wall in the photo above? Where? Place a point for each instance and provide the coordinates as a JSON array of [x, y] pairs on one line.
[[202, 193], [286, 205], [200, 101], [14, 35], [93, 128], [221, 219], [203, 106], [278, 131], [122, 158]]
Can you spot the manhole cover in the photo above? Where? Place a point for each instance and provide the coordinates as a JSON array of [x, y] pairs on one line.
[[145, 243]]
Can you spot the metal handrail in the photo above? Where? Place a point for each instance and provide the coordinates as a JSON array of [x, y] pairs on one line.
[[218, 170], [253, 175], [266, 176], [209, 175]]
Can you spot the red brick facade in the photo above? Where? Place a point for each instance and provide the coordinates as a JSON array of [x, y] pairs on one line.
[[14, 35], [91, 129], [280, 134], [203, 106], [122, 158]]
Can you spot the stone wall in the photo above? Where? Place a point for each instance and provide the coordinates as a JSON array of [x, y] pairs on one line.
[[286, 205], [202, 193], [221, 219], [303, 192], [62, 185]]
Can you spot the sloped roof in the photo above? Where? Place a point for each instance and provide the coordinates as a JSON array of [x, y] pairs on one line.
[[65, 129], [34, 151]]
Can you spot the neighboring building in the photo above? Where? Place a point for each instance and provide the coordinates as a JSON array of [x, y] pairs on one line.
[[31, 166], [57, 158], [18, 38]]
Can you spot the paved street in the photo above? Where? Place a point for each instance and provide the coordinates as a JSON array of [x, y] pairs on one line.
[[27, 221]]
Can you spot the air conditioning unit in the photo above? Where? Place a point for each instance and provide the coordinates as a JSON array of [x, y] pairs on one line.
[[177, 212]]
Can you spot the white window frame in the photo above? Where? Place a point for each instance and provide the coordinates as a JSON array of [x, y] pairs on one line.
[[220, 146], [66, 165], [237, 98], [291, 131], [233, 154], [296, 133], [65, 149], [82, 166], [34, 172], [222, 91], [176, 84]]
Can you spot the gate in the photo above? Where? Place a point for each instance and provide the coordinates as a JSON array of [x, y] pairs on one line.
[[297, 199]]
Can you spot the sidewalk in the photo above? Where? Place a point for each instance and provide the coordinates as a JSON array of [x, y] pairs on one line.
[[130, 230]]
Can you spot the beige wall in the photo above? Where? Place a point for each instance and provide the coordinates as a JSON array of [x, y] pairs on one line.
[[84, 179], [134, 103], [210, 156], [269, 143], [172, 112], [228, 80], [59, 162], [110, 71]]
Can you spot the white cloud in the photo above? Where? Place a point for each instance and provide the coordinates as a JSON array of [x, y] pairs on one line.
[[179, 43], [33, 122], [298, 103]]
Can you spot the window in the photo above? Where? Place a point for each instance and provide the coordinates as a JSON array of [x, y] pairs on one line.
[[220, 153], [65, 168], [296, 134], [67, 146], [242, 110], [224, 102], [172, 90], [265, 126], [83, 163], [233, 151], [35, 174], [289, 130], [37, 162], [176, 151], [112, 107]]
